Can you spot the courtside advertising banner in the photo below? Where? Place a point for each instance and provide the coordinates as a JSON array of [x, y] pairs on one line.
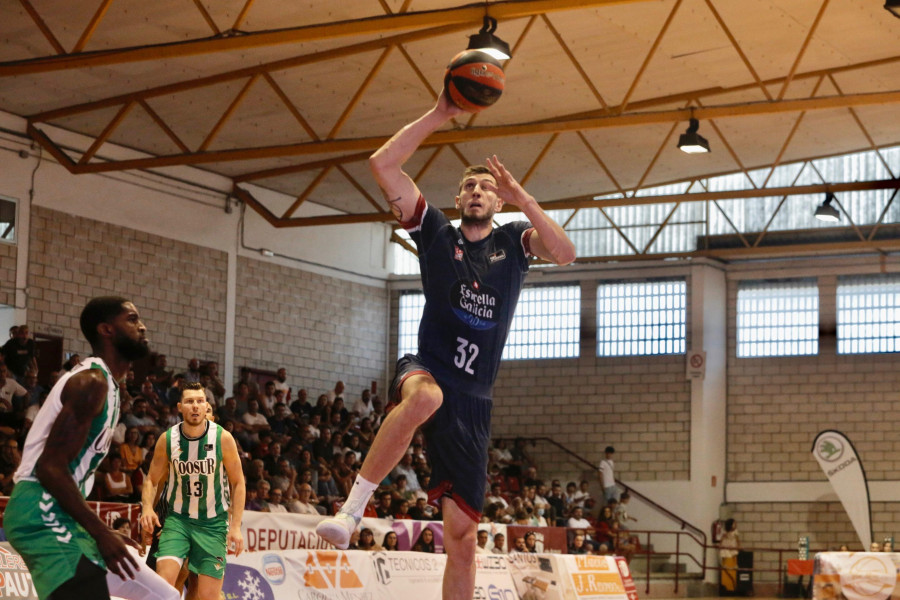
[[15, 580], [492, 579], [856, 576], [595, 577], [536, 576], [285, 531], [838, 459]]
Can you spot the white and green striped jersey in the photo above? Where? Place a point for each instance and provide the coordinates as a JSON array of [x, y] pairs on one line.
[[99, 436], [197, 484]]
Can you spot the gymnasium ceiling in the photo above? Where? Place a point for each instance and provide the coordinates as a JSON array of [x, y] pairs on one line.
[[293, 95]]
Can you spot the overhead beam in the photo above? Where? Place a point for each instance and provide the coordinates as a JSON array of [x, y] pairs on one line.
[[481, 133], [377, 25], [580, 202]]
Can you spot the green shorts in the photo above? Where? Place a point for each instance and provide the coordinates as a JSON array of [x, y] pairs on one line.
[[49, 540], [201, 541]]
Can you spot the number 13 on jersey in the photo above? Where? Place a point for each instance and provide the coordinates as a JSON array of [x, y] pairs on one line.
[[466, 353]]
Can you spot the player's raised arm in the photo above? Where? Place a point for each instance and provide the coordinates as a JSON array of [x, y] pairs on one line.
[[549, 241], [398, 188], [82, 399]]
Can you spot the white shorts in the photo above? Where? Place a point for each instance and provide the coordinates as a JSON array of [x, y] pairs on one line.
[[146, 585]]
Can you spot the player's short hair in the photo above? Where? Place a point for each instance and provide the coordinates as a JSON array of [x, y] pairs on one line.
[[193, 386], [473, 170], [99, 310]]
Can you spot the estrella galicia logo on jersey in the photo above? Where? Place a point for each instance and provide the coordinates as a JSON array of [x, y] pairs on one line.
[[478, 306]]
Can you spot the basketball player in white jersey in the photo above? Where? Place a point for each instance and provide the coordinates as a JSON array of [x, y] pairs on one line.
[[71, 553]]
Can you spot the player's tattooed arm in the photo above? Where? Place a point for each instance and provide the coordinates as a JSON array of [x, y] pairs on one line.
[[396, 208]]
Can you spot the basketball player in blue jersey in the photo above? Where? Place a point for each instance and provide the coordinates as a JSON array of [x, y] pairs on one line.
[[71, 553], [471, 276]]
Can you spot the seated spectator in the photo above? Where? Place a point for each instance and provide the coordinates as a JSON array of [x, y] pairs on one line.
[[328, 491], [148, 444], [425, 543], [9, 462], [130, 451], [557, 503], [267, 399], [116, 485], [481, 542], [401, 509], [301, 406], [282, 424], [305, 503], [367, 541], [518, 545], [141, 417], [578, 545], [406, 468], [384, 508], [275, 497], [531, 542], [401, 491], [123, 526], [263, 488], [252, 501], [285, 477], [422, 511], [362, 407], [256, 472], [254, 422], [366, 434], [499, 544], [390, 541], [11, 391], [496, 497]]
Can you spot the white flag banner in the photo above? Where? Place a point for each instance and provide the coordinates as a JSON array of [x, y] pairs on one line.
[[839, 461]]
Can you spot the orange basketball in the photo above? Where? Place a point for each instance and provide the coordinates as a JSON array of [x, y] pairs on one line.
[[474, 80]]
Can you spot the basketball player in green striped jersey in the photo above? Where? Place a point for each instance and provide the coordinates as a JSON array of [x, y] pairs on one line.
[[205, 478], [71, 553]]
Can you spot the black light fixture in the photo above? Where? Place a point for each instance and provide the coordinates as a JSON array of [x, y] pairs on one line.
[[893, 6], [487, 42], [692, 142], [826, 212]]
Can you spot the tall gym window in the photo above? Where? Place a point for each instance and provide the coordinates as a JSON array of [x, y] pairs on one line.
[[778, 318], [641, 318], [868, 315]]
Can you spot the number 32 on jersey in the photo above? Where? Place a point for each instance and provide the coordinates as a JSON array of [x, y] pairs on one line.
[[466, 353]]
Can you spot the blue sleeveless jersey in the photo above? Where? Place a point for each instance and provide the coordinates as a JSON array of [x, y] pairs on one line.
[[471, 290]]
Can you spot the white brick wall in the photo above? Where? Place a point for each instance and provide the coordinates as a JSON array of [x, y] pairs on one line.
[[319, 328], [178, 287]]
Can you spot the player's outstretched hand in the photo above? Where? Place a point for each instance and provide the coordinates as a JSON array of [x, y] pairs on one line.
[[116, 555], [446, 107], [235, 540], [508, 188]]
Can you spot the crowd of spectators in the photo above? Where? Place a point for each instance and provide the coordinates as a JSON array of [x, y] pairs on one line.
[[302, 456]]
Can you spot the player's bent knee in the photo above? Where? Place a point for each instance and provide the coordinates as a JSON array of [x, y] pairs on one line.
[[425, 400]]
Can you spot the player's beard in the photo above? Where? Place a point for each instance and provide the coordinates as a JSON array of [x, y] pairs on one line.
[[472, 220], [130, 349]]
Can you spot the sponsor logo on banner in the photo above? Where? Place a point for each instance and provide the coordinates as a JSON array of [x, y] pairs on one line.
[[627, 580], [493, 592], [330, 570], [595, 576], [391, 568], [273, 568], [490, 562], [15, 580], [245, 583], [839, 460]]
